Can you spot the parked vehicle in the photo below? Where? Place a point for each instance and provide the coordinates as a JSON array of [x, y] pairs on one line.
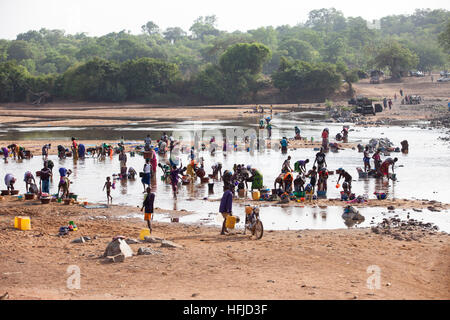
[[365, 110], [416, 74], [443, 79]]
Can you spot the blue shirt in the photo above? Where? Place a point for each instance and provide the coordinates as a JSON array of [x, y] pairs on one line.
[[62, 172], [284, 143]]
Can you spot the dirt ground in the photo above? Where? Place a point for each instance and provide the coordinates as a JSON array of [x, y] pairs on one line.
[[302, 264]]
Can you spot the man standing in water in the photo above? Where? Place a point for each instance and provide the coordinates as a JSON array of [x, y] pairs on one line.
[[123, 162], [148, 205], [147, 142], [46, 173], [147, 174], [377, 160], [284, 144], [320, 159], [174, 177], [225, 208], [366, 159], [287, 165]]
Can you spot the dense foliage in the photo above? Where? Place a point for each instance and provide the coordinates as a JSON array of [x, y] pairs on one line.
[[207, 65]]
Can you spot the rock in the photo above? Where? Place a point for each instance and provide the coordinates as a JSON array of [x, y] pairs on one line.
[[116, 247], [86, 238], [350, 213], [132, 241], [147, 251], [5, 296], [397, 237], [117, 258], [391, 208], [170, 244], [78, 240], [153, 239]]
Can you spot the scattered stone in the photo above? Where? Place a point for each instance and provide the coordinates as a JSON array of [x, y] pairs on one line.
[[132, 241], [195, 295], [78, 240], [391, 208], [117, 258], [170, 244], [5, 296], [433, 209], [153, 239], [116, 247], [147, 251], [350, 213]]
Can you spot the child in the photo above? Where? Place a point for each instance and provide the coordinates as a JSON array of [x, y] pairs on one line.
[[323, 177], [313, 174], [148, 204], [108, 186], [366, 159], [299, 183]]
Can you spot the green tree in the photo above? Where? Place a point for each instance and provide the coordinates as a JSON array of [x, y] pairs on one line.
[[302, 79], [327, 20], [298, 49], [396, 58], [145, 77], [245, 58], [174, 34], [204, 26], [349, 76], [12, 82], [430, 56], [150, 28], [444, 38], [265, 35], [19, 50], [95, 80]]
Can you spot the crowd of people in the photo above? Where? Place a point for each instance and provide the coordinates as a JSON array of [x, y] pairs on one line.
[[294, 177]]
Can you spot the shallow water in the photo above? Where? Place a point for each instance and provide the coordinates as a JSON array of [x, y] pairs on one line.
[[424, 174]]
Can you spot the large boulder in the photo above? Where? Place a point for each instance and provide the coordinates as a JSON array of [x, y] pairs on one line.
[[116, 247]]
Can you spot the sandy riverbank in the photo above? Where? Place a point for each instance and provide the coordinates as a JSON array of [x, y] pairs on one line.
[[282, 265]]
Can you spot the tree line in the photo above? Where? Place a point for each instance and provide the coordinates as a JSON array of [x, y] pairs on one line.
[[207, 65]]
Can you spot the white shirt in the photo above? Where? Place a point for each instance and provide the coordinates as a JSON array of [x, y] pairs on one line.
[[147, 168]]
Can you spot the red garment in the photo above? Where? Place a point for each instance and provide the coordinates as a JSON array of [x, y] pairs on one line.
[[153, 161], [385, 168]]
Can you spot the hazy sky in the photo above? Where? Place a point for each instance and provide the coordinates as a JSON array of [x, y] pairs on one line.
[[99, 17]]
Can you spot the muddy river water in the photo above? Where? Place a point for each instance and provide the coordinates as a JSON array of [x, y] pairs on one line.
[[422, 174]]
